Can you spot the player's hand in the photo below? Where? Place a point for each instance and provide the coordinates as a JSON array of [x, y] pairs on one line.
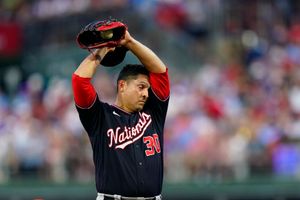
[[99, 54], [126, 40]]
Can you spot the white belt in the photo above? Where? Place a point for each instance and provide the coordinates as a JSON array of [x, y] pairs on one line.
[[101, 196]]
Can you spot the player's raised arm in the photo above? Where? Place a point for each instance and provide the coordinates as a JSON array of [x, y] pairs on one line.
[[146, 56], [84, 92], [88, 66]]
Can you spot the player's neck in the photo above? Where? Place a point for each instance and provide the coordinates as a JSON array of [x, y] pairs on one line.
[[122, 106]]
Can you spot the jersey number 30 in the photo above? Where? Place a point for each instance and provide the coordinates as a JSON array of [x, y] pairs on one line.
[[152, 143]]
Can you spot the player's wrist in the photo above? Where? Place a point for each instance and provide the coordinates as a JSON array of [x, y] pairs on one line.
[[130, 43], [98, 55]]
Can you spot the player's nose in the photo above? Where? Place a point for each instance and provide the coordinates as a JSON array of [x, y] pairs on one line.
[[145, 94]]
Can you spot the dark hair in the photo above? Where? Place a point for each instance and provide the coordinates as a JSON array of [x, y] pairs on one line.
[[131, 71]]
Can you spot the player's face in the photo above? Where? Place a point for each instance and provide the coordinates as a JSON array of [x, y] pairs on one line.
[[135, 93]]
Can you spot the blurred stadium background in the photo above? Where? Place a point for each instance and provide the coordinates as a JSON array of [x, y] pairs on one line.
[[233, 126]]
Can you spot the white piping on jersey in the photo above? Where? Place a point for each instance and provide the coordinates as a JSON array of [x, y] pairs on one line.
[[159, 97], [121, 109], [89, 106]]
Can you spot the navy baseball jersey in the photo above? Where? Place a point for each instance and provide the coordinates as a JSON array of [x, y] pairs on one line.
[[128, 147]]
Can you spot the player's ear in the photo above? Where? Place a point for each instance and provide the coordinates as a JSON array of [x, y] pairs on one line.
[[121, 85]]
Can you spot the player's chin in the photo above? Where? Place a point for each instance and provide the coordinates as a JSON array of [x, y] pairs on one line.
[[140, 106]]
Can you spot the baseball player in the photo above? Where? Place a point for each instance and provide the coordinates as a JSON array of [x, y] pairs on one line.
[[126, 137]]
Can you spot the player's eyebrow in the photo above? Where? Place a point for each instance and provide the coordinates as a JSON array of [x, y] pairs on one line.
[[147, 84]]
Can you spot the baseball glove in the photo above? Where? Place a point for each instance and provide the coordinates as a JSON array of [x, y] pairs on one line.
[[105, 33]]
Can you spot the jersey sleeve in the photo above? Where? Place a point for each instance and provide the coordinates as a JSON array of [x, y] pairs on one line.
[[87, 103], [160, 85], [158, 99], [83, 90]]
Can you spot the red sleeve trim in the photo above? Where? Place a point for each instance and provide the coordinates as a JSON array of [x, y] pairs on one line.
[[83, 90], [160, 84]]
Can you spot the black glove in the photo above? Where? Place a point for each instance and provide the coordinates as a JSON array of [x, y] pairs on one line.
[[104, 33]]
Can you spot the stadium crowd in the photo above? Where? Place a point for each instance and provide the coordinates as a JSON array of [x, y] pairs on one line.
[[234, 115]]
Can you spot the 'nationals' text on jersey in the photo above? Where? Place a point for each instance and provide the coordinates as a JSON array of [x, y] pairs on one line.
[[121, 137]]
